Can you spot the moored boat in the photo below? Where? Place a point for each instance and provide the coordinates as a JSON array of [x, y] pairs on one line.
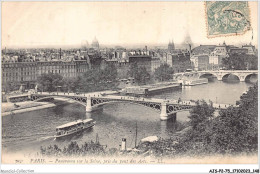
[[73, 127], [195, 82], [189, 78]]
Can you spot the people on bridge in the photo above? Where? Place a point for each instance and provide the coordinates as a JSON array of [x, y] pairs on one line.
[[179, 100]]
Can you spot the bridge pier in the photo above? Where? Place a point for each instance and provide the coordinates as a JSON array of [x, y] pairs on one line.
[[89, 107], [242, 78], [219, 77], [174, 117], [164, 115]]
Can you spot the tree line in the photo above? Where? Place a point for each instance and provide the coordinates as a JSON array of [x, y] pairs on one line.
[[234, 130], [240, 62], [94, 79], [98, 78]]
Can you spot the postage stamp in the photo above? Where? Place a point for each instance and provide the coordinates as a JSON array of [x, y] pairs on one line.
[[225, 18]]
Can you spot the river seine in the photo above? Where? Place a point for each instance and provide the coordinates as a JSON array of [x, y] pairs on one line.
[[26, 132]]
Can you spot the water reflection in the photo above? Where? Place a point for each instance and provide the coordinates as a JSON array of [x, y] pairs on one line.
[[168, 127], [88, 115]]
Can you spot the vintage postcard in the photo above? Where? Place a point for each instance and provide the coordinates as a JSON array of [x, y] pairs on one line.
[[130, 83]]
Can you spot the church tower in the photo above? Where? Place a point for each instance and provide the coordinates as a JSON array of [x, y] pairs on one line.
[[171, 46]]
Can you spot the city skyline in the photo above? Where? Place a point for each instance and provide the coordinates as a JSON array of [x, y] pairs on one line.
[[67, 24]]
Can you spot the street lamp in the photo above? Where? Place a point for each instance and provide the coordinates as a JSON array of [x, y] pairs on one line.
[[58, 88]]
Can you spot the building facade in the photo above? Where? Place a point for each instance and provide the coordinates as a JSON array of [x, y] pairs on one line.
[[26, 73], [180, 62], [19, 73], [251, 49], [142, 60], [155, 63], [200, 62]]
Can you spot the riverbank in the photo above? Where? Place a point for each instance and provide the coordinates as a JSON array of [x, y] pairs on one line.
[[150, 150], [26, 106], [21, 107]]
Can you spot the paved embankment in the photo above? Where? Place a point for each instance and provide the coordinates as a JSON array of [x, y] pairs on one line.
[[20, 107]]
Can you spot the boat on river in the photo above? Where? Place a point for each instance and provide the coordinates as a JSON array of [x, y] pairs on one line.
[[74, 127], [189, 78], [194, 82]]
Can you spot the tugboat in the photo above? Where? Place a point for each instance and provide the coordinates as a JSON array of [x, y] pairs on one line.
[[73, 127]]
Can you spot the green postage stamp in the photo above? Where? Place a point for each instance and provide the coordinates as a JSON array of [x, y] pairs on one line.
[[225, 18]]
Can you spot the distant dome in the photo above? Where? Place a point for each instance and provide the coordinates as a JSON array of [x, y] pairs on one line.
[[95, 43]]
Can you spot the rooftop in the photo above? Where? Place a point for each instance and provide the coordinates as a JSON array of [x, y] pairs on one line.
[[203, 49], [69, 124]]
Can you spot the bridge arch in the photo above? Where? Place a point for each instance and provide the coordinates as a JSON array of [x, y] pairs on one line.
[[226, 76], [81, 102], [206, 75], [154, 106], [249, 76]]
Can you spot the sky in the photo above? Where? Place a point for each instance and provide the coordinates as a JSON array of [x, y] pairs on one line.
[[32, 24]]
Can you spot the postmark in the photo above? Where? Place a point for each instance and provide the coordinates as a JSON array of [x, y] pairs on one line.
[[227, 18]]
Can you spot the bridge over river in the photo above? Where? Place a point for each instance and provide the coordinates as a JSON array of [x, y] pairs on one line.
[[242, 75], [165, 108]]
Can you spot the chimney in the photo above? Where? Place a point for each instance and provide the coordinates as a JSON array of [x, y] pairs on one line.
[[123, 146], [60, 53]]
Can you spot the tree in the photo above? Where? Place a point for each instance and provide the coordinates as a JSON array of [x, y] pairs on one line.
[[97, 79], [10, 86], [139, 73], [49, 82], [236, 129], [133, 70], [240, 62], [202, 112], [70, 84], [163, 73], [143, 76], [110, 72]]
